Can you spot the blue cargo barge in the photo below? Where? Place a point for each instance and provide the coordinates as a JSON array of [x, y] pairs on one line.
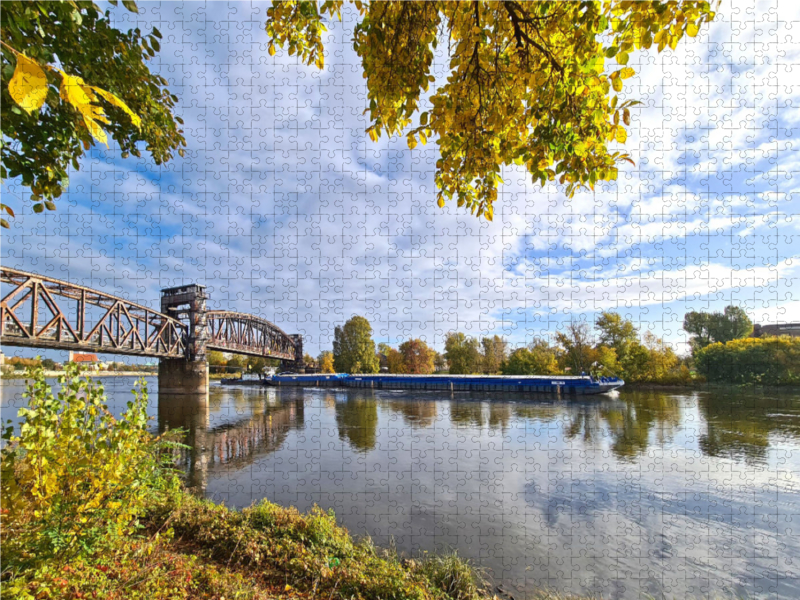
[[533, 384]]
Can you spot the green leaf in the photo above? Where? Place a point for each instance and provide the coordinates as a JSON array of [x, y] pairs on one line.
[[130, 5], [38, 207], [50, 205]]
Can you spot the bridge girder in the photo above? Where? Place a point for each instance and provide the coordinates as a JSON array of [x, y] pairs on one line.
[[120, 327], [124, 327], [240, 333]]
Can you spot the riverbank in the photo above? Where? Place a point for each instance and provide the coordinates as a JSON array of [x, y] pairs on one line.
[[93, 374], [193, 548]]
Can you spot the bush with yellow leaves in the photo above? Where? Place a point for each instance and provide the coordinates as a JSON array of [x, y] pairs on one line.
[[75, 478]]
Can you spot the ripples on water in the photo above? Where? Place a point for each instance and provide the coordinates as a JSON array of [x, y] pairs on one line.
[[667, 494]]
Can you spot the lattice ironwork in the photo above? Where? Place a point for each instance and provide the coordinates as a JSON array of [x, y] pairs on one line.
[[247, 334], [35, 313]]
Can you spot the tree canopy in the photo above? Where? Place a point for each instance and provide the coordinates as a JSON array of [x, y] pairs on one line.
[[495, 352], [417, 357], [616, 332], [709, 328], [463, 354], [538, 359], [537, 84], [70, 79], [354, 348], [325, 361]]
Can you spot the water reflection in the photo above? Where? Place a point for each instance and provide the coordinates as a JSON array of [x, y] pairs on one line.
[[742, 426], [490, 415], [357, 420], [415, 413], [245, 426], [632, 422]]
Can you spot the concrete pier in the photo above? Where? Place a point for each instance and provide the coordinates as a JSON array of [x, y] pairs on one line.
[[177, 377]]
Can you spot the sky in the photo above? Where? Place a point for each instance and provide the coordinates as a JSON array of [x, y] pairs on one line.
[[284, 208]]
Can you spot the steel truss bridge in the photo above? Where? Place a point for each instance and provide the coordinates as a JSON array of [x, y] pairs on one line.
[[43, 312]]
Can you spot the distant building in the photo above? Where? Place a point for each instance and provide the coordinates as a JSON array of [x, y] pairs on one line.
[[87, 360], [790, 329]]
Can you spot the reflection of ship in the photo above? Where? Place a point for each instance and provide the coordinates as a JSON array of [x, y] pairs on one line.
[[229, 445], [533, 384]]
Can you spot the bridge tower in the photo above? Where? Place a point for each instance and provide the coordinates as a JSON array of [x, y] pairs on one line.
[[298, 365], [187, 375]]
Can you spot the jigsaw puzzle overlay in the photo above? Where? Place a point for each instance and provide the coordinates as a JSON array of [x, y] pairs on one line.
[[283, 208]]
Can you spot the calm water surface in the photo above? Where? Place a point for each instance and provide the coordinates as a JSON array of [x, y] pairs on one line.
[[645, 493]]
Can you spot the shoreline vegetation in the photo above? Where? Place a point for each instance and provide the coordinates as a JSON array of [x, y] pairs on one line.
[[92, 507]]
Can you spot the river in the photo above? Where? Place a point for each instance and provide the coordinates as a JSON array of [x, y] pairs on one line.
[[671, 494]]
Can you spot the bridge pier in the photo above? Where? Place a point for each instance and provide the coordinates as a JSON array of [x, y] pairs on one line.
[[178, 376]]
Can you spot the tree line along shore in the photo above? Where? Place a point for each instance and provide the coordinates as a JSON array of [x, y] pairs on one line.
[[722, 351]]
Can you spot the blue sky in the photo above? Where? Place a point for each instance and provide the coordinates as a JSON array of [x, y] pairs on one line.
[[284, 208]]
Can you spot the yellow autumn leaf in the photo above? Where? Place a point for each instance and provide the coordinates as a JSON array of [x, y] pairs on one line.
[[72, 91], [621, 135], [112, 99], [692, 30], [412, 142], [90, 117], [28, 86], [626, 73]]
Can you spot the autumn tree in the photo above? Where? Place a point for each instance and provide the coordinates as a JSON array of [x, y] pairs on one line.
[[648, 360], [235, 364], [439, 362], [325, 361], [578, 348], [69, 80], [616, 332], [215, 357], [495, 351], [709, 328], [255, 364], [537, 359], [537, 84], [354, 348], [462, 354], [417, 357], [309, 361], [395, 363]]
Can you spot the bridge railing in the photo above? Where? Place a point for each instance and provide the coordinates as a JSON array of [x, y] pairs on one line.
[[43, 312]]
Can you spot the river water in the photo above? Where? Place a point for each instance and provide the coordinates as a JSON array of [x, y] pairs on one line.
[[667, 494]]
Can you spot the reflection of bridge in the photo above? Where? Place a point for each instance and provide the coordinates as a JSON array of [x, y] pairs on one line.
[[43, 312], [233, 445]]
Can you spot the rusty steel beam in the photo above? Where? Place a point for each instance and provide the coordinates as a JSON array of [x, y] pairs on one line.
[[125, 327], [247, 334]]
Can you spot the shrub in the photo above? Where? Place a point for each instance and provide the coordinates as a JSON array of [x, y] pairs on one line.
[[766, 360], [75, 478], [456, 577]]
